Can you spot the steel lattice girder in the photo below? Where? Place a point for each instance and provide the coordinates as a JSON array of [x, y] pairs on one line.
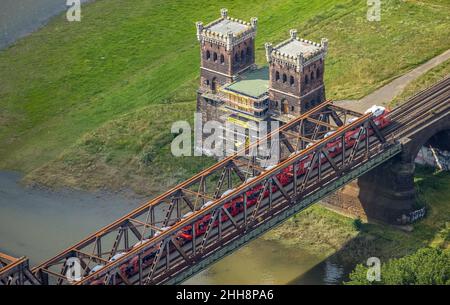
[[15, 271], [142, 223], [279, 216]]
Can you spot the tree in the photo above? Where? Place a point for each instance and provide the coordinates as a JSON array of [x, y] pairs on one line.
[[427, 266]]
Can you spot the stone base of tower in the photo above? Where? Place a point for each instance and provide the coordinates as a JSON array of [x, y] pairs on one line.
[[384, 194]]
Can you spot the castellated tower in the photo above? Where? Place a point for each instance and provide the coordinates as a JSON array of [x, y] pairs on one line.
[[227, 49], [242, 96], [296, 68]]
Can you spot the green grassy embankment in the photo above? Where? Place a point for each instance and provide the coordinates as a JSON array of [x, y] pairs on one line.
[[65, 88], [428, 79]]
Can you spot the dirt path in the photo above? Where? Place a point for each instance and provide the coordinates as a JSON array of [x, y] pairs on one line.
[[386, 93]]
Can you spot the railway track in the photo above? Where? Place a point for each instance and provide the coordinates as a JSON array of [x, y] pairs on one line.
[[435, 108], [421, 107], [415, 102]]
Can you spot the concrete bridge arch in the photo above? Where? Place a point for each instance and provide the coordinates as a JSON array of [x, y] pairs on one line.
[[437, 132]]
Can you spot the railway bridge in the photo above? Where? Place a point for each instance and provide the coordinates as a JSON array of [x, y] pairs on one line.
[[183, 231], [387, 192]]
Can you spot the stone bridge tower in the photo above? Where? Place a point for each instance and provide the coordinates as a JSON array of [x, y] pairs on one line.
[[227, 48], [296, 75]]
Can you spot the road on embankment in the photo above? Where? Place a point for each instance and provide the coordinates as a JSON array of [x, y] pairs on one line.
[[385, 94]]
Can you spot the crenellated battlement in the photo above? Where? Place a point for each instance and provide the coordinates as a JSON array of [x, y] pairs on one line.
[[226, 31], [291, 84], [296, 52]]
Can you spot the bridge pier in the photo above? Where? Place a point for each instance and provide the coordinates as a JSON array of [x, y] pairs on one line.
[[385, 194]]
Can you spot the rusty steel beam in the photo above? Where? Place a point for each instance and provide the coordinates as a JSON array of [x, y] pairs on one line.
[[197, 194], [16, 271]]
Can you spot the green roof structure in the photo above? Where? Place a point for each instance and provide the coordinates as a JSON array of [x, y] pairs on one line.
[[254, 83]]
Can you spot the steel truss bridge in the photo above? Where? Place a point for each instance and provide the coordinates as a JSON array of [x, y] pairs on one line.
[[147, 237]]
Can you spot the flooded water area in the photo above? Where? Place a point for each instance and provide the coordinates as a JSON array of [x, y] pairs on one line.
[[18, 18]]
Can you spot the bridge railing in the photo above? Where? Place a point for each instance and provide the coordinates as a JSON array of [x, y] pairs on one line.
[[147, 246]]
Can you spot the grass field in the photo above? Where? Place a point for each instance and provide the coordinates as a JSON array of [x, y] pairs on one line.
[[428, 79], [132, 151], [73, 83]]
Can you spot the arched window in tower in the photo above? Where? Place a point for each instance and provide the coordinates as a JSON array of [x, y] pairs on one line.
[[291, 80], [318, 73], [208, 55], [215, 56], [284, 77], [222, 59], [236, 57], [312, 75], [242, 56], [306, 79], [277, 76]]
